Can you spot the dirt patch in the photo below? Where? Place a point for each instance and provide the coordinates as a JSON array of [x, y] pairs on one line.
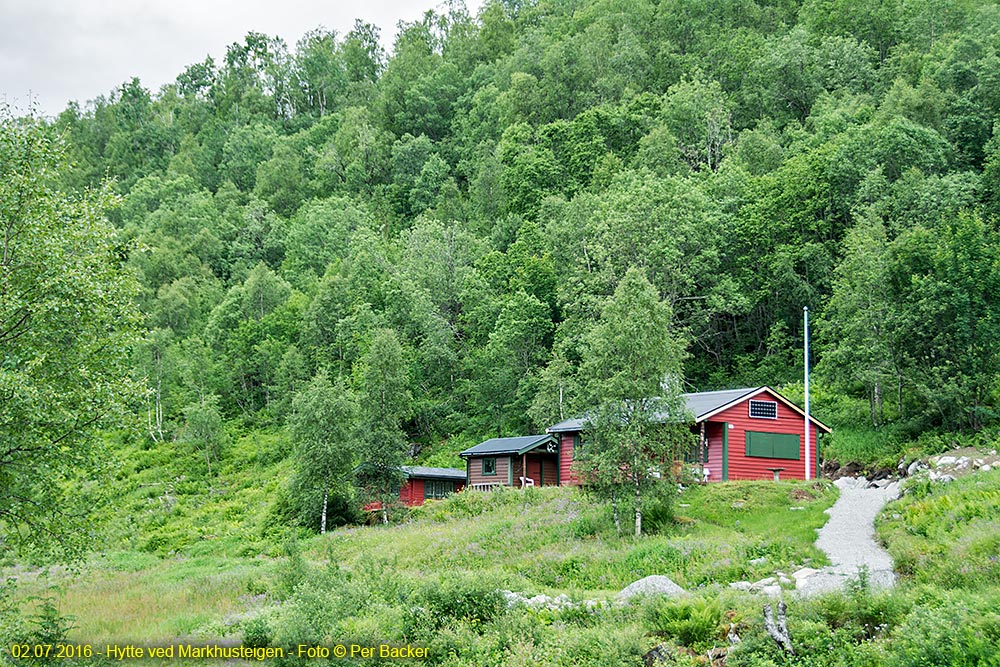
[[802, 494]]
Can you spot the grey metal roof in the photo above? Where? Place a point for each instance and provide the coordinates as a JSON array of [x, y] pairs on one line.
[[703, 402], [698, 404], [575, 424], [518, 445], [434, 473]]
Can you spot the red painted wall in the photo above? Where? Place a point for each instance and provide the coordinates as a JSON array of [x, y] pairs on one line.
[[713, 432], [743, 467], [411, 494], [567, 475]]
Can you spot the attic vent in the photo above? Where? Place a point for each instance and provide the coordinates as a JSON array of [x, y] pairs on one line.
[[764, 409]]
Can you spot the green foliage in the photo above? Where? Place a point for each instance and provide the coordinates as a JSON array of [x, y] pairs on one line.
[[946, 533], [630, 370], [957, 631], [385, 404], [68, 326], [696, 623], [473, 600], [324, 427], [443, 230]]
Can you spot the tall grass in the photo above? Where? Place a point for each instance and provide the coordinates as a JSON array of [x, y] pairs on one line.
[[865, 446]]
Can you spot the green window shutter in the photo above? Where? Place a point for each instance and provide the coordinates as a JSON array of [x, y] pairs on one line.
[[773, 445]]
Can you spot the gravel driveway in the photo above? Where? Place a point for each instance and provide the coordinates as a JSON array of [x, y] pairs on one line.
[[848, 539]]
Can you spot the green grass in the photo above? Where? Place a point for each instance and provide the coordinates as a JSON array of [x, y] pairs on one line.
[[947, 534], [556, 540], [865, 446], [432, 579], [548, 540]]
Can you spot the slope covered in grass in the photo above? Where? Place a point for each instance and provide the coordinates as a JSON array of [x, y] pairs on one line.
[[947, 534], [548, 540], [557, 539]]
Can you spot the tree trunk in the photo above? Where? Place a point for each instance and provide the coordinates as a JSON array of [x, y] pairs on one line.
[[778, 630], [322, 518], [614, 512], [638, 506]]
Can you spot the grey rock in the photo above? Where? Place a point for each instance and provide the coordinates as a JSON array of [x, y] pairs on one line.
[[655, 584]]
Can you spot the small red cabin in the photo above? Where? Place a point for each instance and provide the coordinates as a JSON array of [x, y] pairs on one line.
[[424, 483], [753, 433]]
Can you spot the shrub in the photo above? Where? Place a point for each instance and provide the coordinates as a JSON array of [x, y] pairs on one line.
[[257, 632], [694, 622], [467, 599], [961, 632]]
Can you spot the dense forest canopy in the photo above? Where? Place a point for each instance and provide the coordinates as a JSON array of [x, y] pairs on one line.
[[470, 200]]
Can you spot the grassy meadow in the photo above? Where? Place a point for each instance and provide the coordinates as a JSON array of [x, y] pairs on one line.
[[434, 577]]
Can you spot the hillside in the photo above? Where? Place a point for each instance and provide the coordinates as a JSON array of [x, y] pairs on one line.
[[362, 582], [434, 581]]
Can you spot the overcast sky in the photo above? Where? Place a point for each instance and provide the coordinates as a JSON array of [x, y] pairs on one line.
[[54, 51]]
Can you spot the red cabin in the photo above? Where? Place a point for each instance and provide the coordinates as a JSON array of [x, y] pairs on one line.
[[424, 483], [753, 433]]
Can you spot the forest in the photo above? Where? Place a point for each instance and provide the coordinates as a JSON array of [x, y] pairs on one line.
[[393, 255]]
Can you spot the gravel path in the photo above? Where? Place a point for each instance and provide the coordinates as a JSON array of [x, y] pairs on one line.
[[848, 539]]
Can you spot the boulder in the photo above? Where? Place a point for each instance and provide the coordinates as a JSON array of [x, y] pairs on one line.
[[655, 584], [803, 573]]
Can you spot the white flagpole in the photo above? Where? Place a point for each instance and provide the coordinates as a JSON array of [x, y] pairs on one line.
[[805, 309]]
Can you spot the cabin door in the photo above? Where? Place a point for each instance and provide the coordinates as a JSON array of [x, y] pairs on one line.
[[536, 471]]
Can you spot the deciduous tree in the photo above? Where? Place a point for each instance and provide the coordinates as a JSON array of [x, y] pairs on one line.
[[632, 369], [67, 326]]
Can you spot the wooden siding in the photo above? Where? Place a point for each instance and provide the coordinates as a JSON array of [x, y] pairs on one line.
[[476, 470], [412, 492], [743, 467], [713, 432], [567, 472]]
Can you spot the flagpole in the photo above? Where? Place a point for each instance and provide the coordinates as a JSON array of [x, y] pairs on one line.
[[805, 310]]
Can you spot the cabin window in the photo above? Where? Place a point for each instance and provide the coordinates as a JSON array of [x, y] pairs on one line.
[[576, 447], [764, 409], [437, 488], [489, 466], [772, 445]]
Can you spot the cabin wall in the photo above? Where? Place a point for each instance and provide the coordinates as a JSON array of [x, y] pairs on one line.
[[742, 466], [476, 470], [412, 492], [567, 471], [713, 433]]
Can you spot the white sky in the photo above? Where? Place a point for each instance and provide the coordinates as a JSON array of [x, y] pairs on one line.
[[54, 51]]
